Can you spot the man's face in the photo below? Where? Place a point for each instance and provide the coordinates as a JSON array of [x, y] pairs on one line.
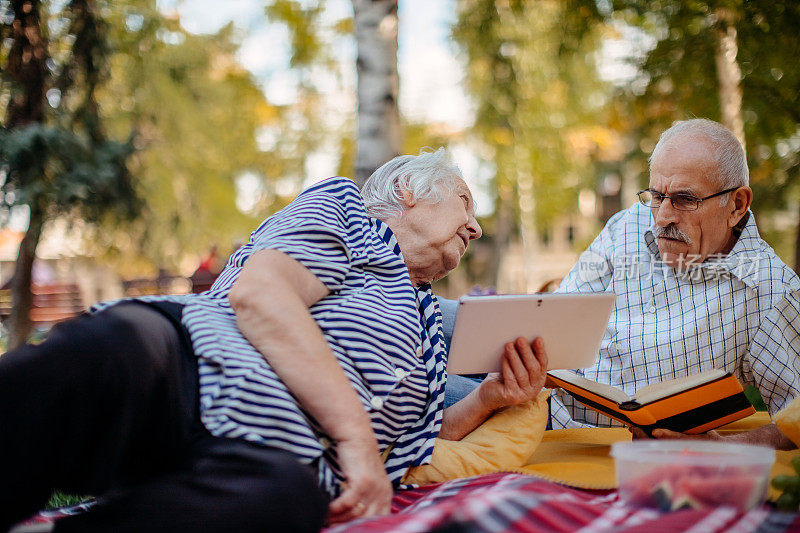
[[684, 166]]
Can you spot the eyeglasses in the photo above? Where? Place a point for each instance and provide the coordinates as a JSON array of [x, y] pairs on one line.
[[680, 201]]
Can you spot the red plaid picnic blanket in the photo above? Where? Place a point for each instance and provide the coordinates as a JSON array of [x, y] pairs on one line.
[[517, 502]]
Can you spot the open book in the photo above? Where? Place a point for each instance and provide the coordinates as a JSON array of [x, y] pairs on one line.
[[691, 404]]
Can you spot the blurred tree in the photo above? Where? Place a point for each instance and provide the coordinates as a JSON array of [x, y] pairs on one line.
[[729, 75], [418, 135], [530, 67], [306, 129], [198, 114], [55, 157], [492, 79], [374, 26], [378, 85], [705, 49]]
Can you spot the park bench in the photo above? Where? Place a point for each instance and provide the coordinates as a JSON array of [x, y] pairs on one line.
[[52, 303]]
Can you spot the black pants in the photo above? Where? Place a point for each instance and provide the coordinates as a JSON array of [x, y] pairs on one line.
[[108, 406]]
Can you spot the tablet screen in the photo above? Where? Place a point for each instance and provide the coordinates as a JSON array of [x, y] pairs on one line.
[[571, 325]]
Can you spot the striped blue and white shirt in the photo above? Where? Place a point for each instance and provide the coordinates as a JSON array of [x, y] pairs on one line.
[[739, 312], [385, 333]]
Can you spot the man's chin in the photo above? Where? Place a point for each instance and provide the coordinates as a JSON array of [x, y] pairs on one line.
[[672, 260], [680, 260], [673, 253]]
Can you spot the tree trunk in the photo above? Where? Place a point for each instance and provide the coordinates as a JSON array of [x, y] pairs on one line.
[[20, 324], [504, 211], [27, 67], [378, 85], [729, 75], [527, 212]]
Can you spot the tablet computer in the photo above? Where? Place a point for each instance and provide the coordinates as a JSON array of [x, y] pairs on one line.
[[571, 325]]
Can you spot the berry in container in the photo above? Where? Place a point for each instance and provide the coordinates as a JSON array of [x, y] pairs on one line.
[[692, 474]]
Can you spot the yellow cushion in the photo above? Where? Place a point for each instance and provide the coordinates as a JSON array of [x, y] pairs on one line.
[[788, 420], [504, 442]]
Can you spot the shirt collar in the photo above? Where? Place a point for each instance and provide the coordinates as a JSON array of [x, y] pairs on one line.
[[386, 235], [741, 262], [424, 290]]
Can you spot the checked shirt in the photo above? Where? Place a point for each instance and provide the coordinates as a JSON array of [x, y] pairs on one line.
[[738, 312]]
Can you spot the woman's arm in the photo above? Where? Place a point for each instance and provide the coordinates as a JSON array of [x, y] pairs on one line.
[[523, 374], [271, 298]]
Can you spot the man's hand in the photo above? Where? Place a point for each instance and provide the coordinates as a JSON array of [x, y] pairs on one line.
[[666, 434], [368, 491], [768, 435], [522, 376]]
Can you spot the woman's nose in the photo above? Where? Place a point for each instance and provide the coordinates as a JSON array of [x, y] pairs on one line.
[[474, 229]]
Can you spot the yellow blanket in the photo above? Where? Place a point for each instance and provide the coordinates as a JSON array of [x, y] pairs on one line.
[[573, 457], [580, 457]]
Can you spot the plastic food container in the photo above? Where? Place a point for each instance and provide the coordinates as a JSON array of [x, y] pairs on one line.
[[690, 474]]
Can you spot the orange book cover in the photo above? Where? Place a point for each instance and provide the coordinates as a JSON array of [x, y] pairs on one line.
[[691, 404]]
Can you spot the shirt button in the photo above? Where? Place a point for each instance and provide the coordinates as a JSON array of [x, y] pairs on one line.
[[400, 373], [419, 353], [326, 443], [376, 403], [651, 309]]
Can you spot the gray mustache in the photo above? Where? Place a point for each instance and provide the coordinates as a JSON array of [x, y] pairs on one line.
[[670, 232]]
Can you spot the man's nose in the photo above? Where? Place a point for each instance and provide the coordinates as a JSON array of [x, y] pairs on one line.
[[665, 214]]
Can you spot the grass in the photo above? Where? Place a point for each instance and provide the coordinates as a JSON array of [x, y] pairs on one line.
[[59, 499]]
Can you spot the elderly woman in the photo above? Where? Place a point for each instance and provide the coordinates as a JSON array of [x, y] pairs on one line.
[[318, 352]]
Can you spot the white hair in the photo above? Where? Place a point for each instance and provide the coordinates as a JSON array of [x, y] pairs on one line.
[[731, 161], [427, 176]]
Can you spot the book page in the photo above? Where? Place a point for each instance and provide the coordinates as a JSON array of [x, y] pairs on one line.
[[601, 389], [656, 391]]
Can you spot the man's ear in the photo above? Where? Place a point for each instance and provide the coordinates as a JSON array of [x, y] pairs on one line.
[[740, 202]]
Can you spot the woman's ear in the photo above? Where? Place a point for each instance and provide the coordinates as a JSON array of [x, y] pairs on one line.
[[405, 194], [741, 199]]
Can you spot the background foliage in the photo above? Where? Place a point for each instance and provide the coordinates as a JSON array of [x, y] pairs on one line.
[[548, 123]]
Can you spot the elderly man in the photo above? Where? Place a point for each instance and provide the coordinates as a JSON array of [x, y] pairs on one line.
[[697, 288]]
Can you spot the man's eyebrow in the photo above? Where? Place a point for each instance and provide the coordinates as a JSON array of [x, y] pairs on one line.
[[687, 191]]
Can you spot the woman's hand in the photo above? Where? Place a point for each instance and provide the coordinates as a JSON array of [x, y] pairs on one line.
[[368, 491], [523, 374]]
